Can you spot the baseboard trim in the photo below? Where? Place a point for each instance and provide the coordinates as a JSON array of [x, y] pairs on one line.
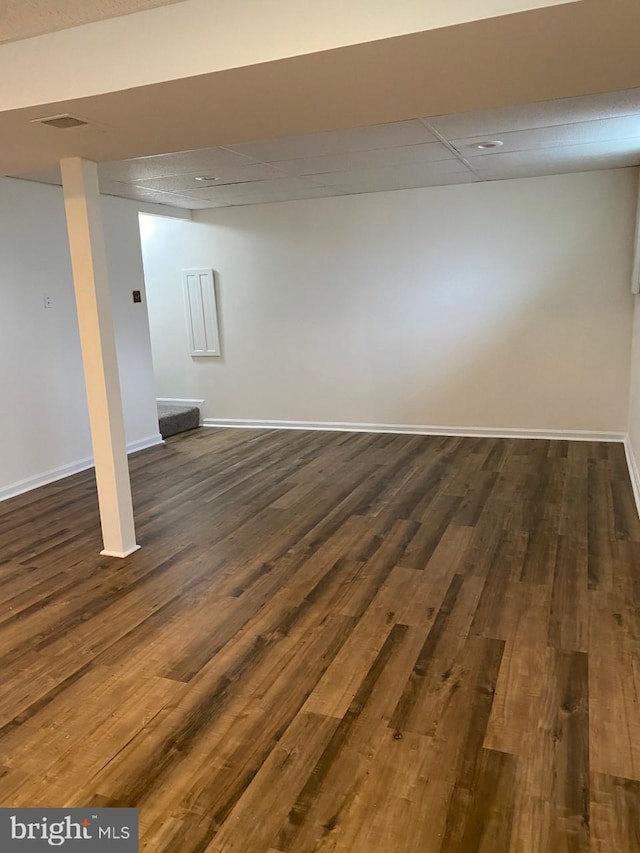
[[417, 429], [120, 554], [144, 443], [634, 472], [177, 401], [50, 476], [22, 486]]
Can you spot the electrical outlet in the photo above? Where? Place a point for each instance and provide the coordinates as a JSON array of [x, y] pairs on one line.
[[48, 302], [137, 296]]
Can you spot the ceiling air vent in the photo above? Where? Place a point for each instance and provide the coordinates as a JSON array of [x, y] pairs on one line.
[[63, 122]]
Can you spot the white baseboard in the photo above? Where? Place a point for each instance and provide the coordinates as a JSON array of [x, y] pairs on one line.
[[176, 401], [120, 554], [416, 429], [634, 473], [63, 471], [50, 476], [143, 443]]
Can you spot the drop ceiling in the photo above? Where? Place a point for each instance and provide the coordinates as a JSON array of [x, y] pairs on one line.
[[22, 19], [568, 135]]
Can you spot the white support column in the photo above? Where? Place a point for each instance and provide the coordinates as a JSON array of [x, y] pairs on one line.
[[97, 338]]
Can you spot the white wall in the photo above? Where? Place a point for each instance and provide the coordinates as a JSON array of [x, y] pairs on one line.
[[131, 322], [634, 388], [44, 425], [497, 305], [634, 404], [139, 49]]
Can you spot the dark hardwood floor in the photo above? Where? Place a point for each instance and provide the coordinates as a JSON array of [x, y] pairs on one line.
[[334, 642]]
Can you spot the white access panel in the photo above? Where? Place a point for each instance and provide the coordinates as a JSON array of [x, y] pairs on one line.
[[202, 314]]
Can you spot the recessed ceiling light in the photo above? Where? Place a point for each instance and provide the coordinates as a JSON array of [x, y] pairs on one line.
[[486, 146], [207, 178]]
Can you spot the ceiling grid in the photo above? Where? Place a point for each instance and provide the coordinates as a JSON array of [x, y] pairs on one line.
[[571, 135]]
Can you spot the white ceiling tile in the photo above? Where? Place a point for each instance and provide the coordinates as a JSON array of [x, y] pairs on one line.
[[434, 181], [142, 194], [184, 183], [400, 177], [550, 161], [544, 114], [125, 190], [606, 133], [183, 163], [405, 171], [379, 157], [184, 202], [337, 142], [259, 191], [513, 171], [50, 176], [285, 195], [194, 203]]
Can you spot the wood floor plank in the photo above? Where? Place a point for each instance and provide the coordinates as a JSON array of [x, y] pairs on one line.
[[442, 663], [615, 813], [334, 642], [402, 805], [569, 619], [334, 779], [480, 817], [522, 681], [614, 690], [260, 813]]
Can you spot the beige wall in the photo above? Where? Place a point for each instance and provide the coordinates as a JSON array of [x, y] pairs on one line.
[[498, 305]]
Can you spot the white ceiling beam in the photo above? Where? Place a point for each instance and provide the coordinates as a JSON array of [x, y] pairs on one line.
[[201, 37]]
